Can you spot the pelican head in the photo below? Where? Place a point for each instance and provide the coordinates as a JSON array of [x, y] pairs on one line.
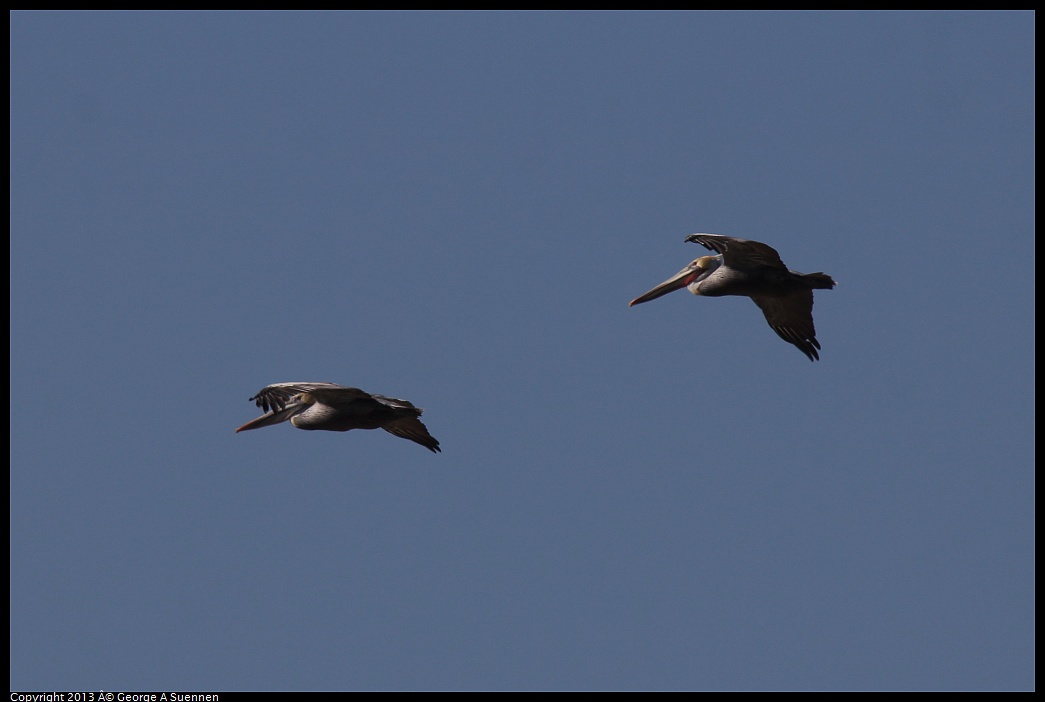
[[689, 277], [266, 420]]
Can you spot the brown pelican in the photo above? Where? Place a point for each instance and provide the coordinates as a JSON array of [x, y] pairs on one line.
[[336, 408], [753, 269]]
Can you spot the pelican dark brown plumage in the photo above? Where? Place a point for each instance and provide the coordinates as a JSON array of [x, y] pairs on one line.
[[330, 407], [753, 269]]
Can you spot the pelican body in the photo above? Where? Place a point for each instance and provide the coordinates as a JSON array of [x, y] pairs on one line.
[[330, 407], [753, 269]]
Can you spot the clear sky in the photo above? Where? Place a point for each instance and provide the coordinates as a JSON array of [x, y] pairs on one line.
[[455, 209]]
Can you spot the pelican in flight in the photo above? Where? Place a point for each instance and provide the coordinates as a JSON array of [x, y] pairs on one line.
[[336, 408], [753, 269]]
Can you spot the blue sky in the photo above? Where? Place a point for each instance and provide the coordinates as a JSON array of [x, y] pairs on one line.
[[455, 209]]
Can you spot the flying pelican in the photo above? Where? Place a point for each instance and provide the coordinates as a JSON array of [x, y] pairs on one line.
[[336, 408], [753, 269]]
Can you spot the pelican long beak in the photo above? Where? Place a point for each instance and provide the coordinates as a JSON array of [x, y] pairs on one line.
[[267, 420], [680, 280]]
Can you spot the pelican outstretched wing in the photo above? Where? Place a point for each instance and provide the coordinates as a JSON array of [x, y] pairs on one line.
[[791, 317], [275, 397], [412, 428], [739, 253], [396, 403]]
